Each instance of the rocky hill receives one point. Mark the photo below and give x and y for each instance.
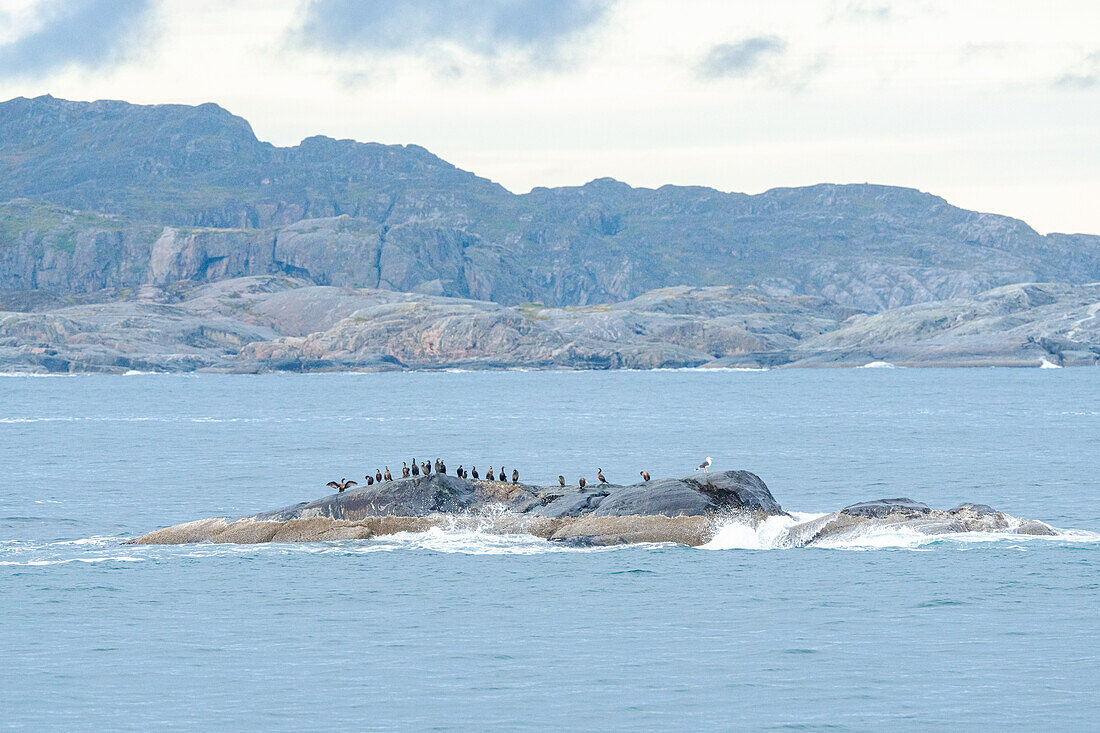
(114, 195)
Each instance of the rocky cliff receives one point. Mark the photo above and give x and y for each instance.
(114, 195)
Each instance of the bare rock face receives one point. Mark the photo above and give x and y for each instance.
(858, 519)
(721, 492)
(682, 510)
(687, 510)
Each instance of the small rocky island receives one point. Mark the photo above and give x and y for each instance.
(687, 510)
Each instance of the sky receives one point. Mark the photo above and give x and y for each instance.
(994, 105)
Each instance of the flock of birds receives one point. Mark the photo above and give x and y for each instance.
(437, 466)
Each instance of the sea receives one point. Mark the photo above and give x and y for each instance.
(464, 630)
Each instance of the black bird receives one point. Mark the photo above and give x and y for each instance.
(387, 475)
(599, 475)
(645, 475)
(416, 468)
(341, 485)
(426, 468)
(489, 476)
(502, 477)
(442, 466)
(561, 480)
(378, 475)
(473, 472)
(370, 480)
(581, 482)
(460, 472)
(515, 476)
(404, 470)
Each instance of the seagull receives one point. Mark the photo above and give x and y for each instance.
(704, 465)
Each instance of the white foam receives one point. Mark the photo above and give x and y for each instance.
(774, 533)
(738, 534)
(1044, 364)
(877, 365)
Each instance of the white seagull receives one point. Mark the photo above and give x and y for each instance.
(704, 465)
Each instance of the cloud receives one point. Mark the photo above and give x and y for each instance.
(535, 29)
(741, 59)
(1085, 75)
(91, 34)
(880, 12)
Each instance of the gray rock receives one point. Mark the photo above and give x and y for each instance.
(882, 508)
(725, 491)
(418, 496)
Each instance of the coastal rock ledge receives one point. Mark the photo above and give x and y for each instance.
(687, 510)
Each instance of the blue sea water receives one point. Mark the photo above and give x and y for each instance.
(450, 630)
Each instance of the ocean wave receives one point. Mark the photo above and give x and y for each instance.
(773, 534)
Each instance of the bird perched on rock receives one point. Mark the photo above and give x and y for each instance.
(387, 475)
(704, 465)
(473, 472)
(645, 475)
(426, 468)
(377, 475)
(581, 482)
(515, 476)
(489, 474)
(404, 470)
(502, 477)
(439, 466)
(370, 480)
(599, 475)
(561, 480)
(460, 471)
(416, 468)
(341, 485)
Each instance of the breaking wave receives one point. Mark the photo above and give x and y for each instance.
(774, 533)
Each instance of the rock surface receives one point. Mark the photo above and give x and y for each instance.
(269, 323)
(114, 195)
(688, 510)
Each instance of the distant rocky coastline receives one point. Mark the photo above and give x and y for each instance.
(268, 323)
(688, 511)
(169, 238)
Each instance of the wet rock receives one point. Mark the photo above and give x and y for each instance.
(883, 507)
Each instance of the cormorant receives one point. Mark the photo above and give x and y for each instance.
(490, 476)
(704, 465)
(416, 468)
(341, 485)
(387, 475)
(473, 472)
(561, 480)
(378, 475)
(426, 468)
(599, 475)
(460, 472)
(515, 476)
(404, 470)
(645, 475)
(581, 482)
(502, 477)
(370, 480)
(442, 467)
